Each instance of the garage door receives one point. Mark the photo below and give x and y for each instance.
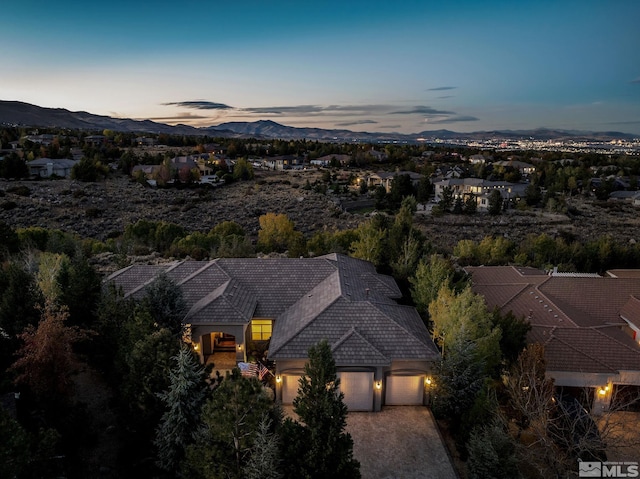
(404, 390)
(358, 390)
(290, 385)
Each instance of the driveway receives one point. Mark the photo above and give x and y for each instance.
(400, 442)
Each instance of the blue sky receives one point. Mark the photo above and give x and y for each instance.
(405, 66)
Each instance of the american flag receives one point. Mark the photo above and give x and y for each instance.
(249, 370)
(262, 371)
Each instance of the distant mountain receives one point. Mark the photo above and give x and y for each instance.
(19, 113)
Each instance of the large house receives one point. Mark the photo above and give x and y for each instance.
(481, 189)
(589, 325)
(382, 349)
(46, 167)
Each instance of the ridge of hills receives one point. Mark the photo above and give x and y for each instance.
(25, 114)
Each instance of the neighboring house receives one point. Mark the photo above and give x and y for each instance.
(193, 162)
(385, 179)
(146, 141)
(462, 187)
(589, 325)
(46, 167)
(521, 166)
(327, 159)
(382, 349)
(632, 197)
(285, 162)
(95, 140)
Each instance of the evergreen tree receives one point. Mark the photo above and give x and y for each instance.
(164, 301)
(327, 451)
(230, 422)
(264, 462)
(183, 401)
(492, 453)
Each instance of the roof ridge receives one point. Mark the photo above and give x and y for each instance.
(353, 332)
(596, 360)
(207, 299)
(150, 280)
(554, 304)
(393, 320)
(204, 268)
(289, 337)
(598, 330)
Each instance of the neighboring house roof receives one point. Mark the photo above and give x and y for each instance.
(579, 319)
(333, 297)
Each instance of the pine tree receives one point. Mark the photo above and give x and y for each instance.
(265, 455)
(328, 453)
(183, 401)
(492, 454)
(230, 420)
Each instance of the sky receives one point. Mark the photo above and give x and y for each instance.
(404, 66)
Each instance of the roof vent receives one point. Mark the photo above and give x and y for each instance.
(367, 292)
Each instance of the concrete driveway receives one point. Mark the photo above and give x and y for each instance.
(400, 442)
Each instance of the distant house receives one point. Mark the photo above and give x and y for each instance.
(95, 140)
(385, 179)
(589, 325)
(481, 189)
(146, 141)
(327, 159)
(284, 162)
(382, 349)
(47, 167)
(521, 166)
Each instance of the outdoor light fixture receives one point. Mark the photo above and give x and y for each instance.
(602, 391)
(239, 347)
(278, 378)
(427, 381)
(196, 347)
(378, 384)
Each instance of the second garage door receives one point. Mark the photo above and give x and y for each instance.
(357, 389)
(404, 390)
(290, 386)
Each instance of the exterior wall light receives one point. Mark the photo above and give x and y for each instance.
(278, 378)
(239, 347)
(196, 347)
(427, 381)
(378, 384)
(602, 391)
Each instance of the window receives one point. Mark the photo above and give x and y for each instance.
(261, 329)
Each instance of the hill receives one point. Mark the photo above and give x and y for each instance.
(25, 114)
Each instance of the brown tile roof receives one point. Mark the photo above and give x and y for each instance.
(588, 350)
(333, 297)
(631, 311)
(578, 319)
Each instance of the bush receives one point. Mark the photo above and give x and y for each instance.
(19, 190)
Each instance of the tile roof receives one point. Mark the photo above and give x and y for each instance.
(579, 319)
(333, 297)
(631, 311)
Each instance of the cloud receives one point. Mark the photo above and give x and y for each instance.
(441, 88)
(629, 122)
(422, 110)
(184, 116)
(444, 96)
(281, 110)
(296, 110)
(453, 119)
(357, 122)
(390, 127)
(200, 105)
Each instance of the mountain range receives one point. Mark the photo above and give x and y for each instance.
(25, 114)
